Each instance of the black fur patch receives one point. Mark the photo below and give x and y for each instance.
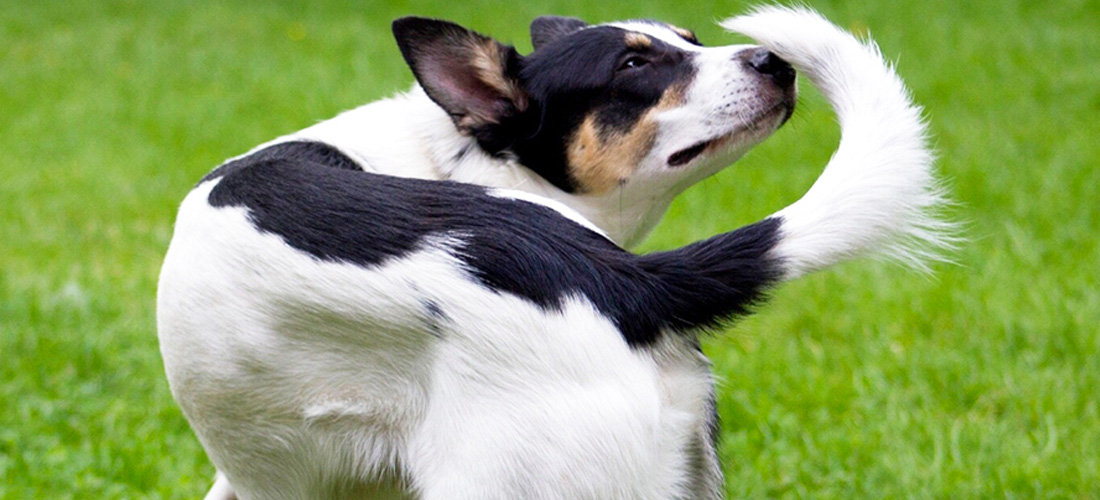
(297, 151)
(434, 316)
(546, 29)
(307, 194)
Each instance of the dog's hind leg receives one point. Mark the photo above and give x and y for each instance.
(221, 490)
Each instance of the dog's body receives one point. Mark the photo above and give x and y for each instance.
(330, 331)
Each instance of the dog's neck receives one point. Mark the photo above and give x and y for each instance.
(408, 135)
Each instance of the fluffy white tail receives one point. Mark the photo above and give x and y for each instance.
(878, 193)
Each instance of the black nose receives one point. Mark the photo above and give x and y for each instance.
(770, 65)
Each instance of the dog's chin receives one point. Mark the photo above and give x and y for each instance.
(736, 141)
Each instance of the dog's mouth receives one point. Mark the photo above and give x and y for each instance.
(687, 155)
(766, 122)
(684, 156)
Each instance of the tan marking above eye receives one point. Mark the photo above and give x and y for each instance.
(685, 34)
(637, 40)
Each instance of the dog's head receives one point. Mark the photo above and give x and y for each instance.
(600, 107)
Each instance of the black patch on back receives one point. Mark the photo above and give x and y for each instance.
(319, 206)
(303, 151)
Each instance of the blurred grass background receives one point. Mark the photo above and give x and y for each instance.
(867, 381)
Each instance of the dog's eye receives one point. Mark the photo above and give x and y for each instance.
(634, 62)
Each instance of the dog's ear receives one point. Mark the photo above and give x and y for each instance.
(546, 29)
(469, 75)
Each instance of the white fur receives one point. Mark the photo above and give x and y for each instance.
(370, 388)
(878, 192)
(561, 208)
(311, 379)
(221, 490)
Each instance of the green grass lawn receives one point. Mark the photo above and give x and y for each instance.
(867, 381)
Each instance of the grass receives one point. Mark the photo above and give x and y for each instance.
(867, 381)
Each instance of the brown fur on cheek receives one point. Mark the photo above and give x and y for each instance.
(674, 97)
(599, 160)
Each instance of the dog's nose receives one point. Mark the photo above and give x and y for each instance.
(768, 64)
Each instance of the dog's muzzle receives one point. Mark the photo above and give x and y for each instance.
(770, 65)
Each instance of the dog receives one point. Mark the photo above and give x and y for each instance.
(428, 296)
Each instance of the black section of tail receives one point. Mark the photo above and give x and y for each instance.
(718, 278)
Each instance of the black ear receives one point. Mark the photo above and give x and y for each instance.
(546, 29)
(471, 76)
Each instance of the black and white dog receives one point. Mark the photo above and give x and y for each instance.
(427, 297)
